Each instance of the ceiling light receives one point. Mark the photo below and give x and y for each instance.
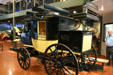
(74, 12)
(102, 8)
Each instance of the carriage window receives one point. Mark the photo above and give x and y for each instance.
(66, 24)
(42, 28)
(34, 26)
(34, 29)
(27, 27)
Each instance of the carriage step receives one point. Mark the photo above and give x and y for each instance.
(96, 67)
(98, 59)
(102, 60)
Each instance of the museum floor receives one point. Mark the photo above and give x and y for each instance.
(10, 66)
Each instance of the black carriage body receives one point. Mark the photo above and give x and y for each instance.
(79, 41)
(63, 29)
(55, 24)
(52, 25)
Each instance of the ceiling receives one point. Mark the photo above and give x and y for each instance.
(4, 1)
(105, 8)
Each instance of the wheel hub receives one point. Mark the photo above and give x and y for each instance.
(23, 58)
(59, 65)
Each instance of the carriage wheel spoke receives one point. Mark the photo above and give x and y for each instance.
(53, 71)
(66, 70)
(20, 58)
(51, 50)
(63, 71)
(24, 65)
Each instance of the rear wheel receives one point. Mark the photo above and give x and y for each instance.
(23, 57)
(60, 60)
(90, 58)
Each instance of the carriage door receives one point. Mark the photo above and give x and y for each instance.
(34, 29)
(42, 30)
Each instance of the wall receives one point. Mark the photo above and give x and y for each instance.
(105, 8)
(107, 18)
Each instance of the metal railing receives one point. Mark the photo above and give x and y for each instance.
(27, 4)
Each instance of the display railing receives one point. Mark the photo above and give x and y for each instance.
(27, 4)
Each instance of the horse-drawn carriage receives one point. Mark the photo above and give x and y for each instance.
(64, 49)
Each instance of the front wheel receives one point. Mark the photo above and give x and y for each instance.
(60, 60)
(23, 58)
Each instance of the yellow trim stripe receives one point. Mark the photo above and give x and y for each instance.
(28, 45)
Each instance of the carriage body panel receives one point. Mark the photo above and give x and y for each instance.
(40, 45)
(78, 41)
(40, 34)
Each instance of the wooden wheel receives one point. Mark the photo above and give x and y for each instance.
(60, 60)
(90, 58)
(23, 57)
